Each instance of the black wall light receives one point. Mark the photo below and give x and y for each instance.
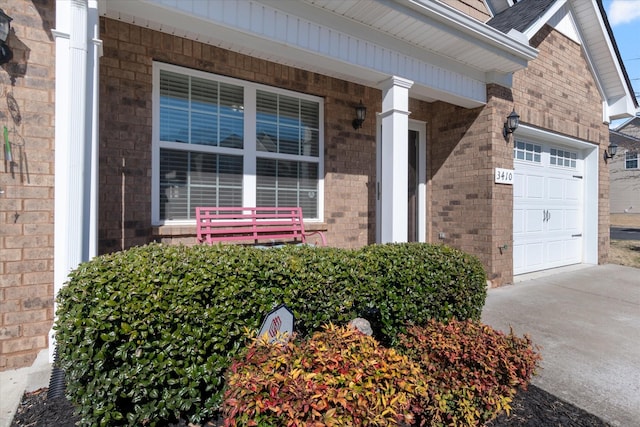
(513, 120)
(5, 26)
(611, 151)
(361, 113)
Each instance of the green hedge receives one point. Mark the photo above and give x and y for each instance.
(145, 335)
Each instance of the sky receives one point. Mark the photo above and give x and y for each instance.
(624, 17)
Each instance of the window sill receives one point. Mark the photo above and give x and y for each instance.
(187, 232)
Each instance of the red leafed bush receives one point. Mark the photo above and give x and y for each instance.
(472, 370)
(339, 377)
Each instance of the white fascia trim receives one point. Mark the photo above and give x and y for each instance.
(543, 19)
(546, 136)
(615, 108)
(478, 30)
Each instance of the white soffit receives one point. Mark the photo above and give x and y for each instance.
(448, 60)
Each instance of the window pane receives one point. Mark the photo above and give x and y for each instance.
(174, 90)
(204, 95)
(173, 184)
(204, 129)
(310, 142)
(288, 107)
(200, 111)
(267, 103)
(174, 125)
(289, 140)
(267, 137)
(231, 132)
(309, 114)
(190, 179)
(288, 183)
(287, 125)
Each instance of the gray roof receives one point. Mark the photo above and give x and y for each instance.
(625, 141)
(520, 16)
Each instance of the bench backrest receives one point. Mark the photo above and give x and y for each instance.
(249, 225)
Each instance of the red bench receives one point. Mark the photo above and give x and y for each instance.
(252, 225)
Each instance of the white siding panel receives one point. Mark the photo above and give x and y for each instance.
(277, 28)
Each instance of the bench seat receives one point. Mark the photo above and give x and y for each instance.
(248, 225)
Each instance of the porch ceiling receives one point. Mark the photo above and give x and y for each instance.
(449, 56)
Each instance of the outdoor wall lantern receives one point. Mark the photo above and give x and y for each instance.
(611, 151)
(5, 26)
(513, 120)
(361, 113)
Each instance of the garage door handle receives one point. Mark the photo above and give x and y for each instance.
(576, 235)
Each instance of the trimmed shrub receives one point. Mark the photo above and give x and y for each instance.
(339, 377)
(414, 282)
(145, 335)
(472, 370)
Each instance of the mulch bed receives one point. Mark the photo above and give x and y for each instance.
(532, 408)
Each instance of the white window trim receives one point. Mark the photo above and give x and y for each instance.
(637, 153)
(249, 151)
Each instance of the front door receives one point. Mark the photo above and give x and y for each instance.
(416, 176)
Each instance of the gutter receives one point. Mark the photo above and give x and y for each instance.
(514, 43)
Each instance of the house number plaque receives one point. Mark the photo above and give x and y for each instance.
(503, 176)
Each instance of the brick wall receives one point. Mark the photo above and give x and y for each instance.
(125, 135)
(461, 194)
(26, 185)
(558, 92)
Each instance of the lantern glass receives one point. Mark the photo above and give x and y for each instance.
(513, 120)
(612, 149)
(361, 112)
(5, 24)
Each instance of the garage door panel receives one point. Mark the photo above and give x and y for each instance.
(533, 221)
(554, 250)
(573, 250)
(534, 187)
(574, 190)
(526, 256)
(518, 221)
(555, 188)
(573, 220)
(518, 186)
(548, 213)
(555, 220)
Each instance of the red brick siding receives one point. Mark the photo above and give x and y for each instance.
(26, 204)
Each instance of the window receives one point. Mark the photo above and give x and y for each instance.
(631, 160)
(562, 158)
(219, 141)
(527, 151)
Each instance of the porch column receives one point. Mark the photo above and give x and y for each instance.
(395, 157)
(78, 50)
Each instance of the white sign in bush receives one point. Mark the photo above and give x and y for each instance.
(277, 324)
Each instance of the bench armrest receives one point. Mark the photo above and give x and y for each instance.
(320, 233)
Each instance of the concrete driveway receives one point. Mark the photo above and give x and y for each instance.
(587, 321)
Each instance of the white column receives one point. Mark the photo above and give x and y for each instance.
(395, 157)
(76, 138)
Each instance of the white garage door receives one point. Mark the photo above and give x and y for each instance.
(548, 207)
